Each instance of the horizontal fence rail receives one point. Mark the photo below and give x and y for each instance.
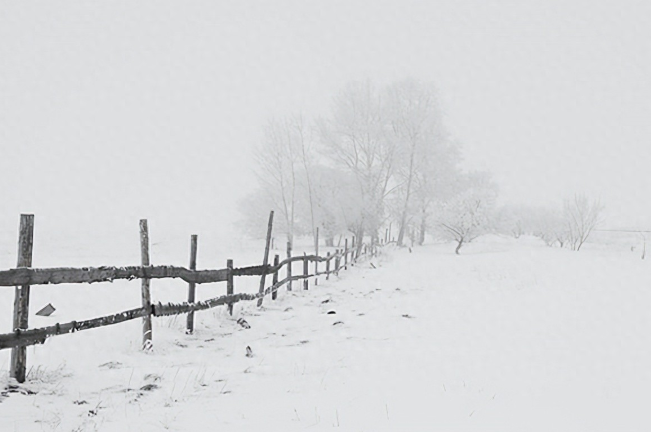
(67, 275)
(39, 336)
(70, 275)
(24, 276)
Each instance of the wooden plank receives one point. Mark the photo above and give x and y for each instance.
(230, 284)
(274, 281)
(328, 267)
(346, 254)
(337, 261)
(257, 270)
(266, 255)
(192, 285)
(69, 275)
(18, 362)
(36, 336)
(277, 286)
(289, 266)
(316, 252)
(145, 287)
(305, 272)
(175, 309)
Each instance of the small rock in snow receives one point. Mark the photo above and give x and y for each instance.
(243, 323)
(331, 312)
(111, 365)
(149, 387)
(249, 351)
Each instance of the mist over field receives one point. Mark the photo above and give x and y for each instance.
(485, 163)
(114, 112)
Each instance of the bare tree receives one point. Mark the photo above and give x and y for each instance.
(581, 218)
(278, 160)
(306, 153)
(355, 139)
(469, 214)
(413, 114)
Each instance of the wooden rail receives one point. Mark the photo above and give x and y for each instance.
(24, 276)
(67, 275)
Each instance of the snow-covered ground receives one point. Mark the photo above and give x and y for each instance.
(509, 336)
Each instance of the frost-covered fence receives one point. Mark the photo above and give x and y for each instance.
(24, 276)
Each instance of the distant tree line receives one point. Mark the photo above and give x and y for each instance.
(381, 159)
(568, 226)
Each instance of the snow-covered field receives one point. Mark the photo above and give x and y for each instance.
(509, 336)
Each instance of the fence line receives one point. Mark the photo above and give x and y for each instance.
(25, 276)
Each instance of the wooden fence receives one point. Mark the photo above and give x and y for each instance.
(24, 276)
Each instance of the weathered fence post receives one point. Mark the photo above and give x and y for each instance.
(305, 271)
(192, 285)
(274, 281)
(265, 261)
(328, 266)
(145, 290)
(289, 266)
(337, 261)
(346, 254)
(230, 288)
(18, 365)
(352, 252)
(316, 262)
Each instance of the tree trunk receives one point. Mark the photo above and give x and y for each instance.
(359, 236)
(401, 232)
(403, 218)
(460, 243)
(423, 227)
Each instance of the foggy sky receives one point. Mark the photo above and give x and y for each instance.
(115, 111)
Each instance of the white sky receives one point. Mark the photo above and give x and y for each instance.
(113, 111)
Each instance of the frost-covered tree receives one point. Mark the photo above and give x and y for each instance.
(279, 171)
(469, 213)
(581, 217)
(435, 181)
(333, 199)
(547, 224)
(412, 111)
(386, 158)
(513, 220)
(355, 139)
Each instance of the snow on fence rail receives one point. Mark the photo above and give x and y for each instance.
(24, 276)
